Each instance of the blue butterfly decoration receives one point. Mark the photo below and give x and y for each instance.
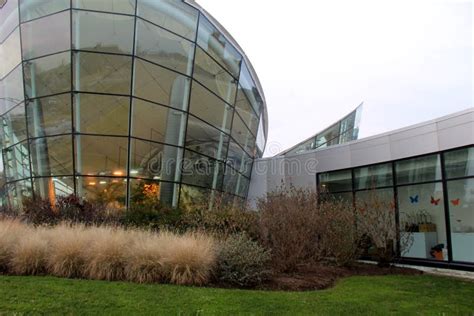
(414, 199)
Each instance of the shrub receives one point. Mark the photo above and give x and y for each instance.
(10, 233)
(223, 219)
(153, 217)
(242, 261)
(299, 228)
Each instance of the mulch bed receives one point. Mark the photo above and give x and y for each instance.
(323, 276)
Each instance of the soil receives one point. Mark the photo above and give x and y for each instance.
(320, 276)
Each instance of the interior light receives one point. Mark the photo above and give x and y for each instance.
(91, 183)
(103, 182)
(133, 171)
(118, 173)
(156, 178)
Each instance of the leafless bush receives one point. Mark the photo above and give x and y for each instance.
(299, 228)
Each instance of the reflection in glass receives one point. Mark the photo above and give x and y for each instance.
(115, 6)
(101, 114)
(49, 116)
(205, 139)
(210, 74)
(459, 163)
(427, 168)
(162, 47)
(202, 171)
(32, 9)
(10, 53)
(461, 214)
(9, 18)
(336, 181)
(216, 45)
(191, 196)
(239, 159)
(13, 126)
(158, 123)
(51, 156)
(160, 85)
(102, 73)
(110, 192)
(18, 192)
(51, 188)
(46, 36)
(210, 108)
(48, 75)
(173, 15)
(243, 136)
(16, 162)
(245, 111)
(250, 89)
(11, 90)
(103, 32)
(101, 155)
(373, 176)
(421, 209)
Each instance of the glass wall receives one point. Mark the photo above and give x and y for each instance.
(433, 195)
(124, 101)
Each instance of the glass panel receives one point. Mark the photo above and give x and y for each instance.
(17, 162)
(102, 73)
(158, 123)
(191, 197)
(328, 137)
(250, 89)
(461, 214)
(421, 210)
(101, 114)
(239, 159)
(110, 192)
(10, 53)
(235, 183)
(102, 156)
(164, 48)
(46, 36)
(380, 203)
(146, 193)
(216, 45)
(13, 126)
(210, 108)
(160, 85)
(52, 188)
(51, 156)
(202, 171)
(211, 75)
(205, 139)
(103, 32)
(373, 176)
(9, 18)
(421, 169)
(459, 163)
(345, 197)
(154, 161)
(11, 90)
(245, 111)
(48, 75)
(170, 14)
(243, 136)
(32, 9)
(49, 116)
(116, 6)
(336, 181)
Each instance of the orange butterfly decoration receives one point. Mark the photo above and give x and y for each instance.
(456, 202)
(435, 201)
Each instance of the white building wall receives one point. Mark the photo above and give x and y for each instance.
(455, 130)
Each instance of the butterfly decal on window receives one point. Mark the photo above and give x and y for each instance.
(435, 201)
(456, 202)
(414, 199)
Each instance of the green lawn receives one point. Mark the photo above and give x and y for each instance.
(355, 295)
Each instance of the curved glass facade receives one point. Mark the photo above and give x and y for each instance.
(120, 99)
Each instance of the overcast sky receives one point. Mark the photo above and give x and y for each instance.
(409, 61)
